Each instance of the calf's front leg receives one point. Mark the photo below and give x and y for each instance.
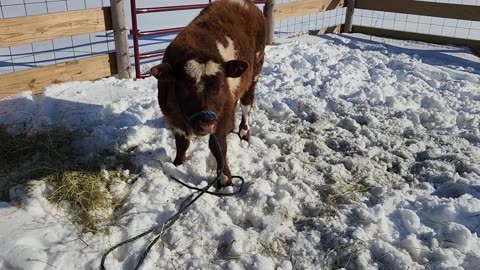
(182, 144)
(221, 157)
(247, 99)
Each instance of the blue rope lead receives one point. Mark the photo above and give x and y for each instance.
(201, 113)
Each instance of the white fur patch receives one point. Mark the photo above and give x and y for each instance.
(233, 83)
(223, 179)
(181, 132)
(243, 132)
(212, 68)
(246, 109)
(229, 53)
(256, 78)
(197, 70)
(257, 54)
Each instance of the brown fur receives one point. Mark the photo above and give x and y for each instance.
(178, 96)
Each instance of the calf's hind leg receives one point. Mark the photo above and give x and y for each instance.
(246, 102)
(247, 99)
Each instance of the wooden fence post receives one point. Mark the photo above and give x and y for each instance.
(121, 38)
(269, 13)
(349, 16)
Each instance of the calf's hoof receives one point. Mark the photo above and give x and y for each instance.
(244, 134)
(224, 181)
(178, 161)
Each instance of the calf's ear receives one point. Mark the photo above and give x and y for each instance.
(158, 70)
(166, 82)
(235, 68)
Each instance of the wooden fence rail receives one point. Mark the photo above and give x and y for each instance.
(301, 8)
(35, 79)
(30, 29)
(36, 28)
(306, 7)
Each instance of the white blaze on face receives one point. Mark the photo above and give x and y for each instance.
(229, 53)
(198, 70)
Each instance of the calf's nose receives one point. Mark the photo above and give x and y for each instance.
(205, 125)
(209, 129)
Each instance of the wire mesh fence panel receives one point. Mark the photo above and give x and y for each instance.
(421, 24)
(43, 53)
(310, 22)
(25, 56)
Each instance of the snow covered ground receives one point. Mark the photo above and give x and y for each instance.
(365, 154)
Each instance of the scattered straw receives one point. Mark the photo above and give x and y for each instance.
(340, 193)
(81, 186)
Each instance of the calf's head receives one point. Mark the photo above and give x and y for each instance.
(199, 88)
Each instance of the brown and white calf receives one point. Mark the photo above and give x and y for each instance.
(214, 62)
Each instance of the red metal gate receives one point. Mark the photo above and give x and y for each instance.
(137, 34)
